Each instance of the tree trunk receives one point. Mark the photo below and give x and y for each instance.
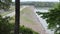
(17, 16)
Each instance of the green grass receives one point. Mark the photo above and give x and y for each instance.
(27, 18)
(26, 10)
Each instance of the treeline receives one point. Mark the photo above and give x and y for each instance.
(39, 4)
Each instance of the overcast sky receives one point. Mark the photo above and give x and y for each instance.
(39, 0)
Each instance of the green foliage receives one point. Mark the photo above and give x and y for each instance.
(5, 26)
(25, 30)
(8, 28)
(5, 4)
(53, 18)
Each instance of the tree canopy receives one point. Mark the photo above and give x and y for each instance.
(5, 4)
(53, 18)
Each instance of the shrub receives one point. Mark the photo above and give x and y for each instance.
(25, 30)
(8, 28)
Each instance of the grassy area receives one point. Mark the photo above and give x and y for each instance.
(25, 19)
(26, 15)
(28, 19)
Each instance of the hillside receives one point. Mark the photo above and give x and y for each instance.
(29, 19)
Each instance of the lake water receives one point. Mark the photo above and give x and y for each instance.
(43, 21)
